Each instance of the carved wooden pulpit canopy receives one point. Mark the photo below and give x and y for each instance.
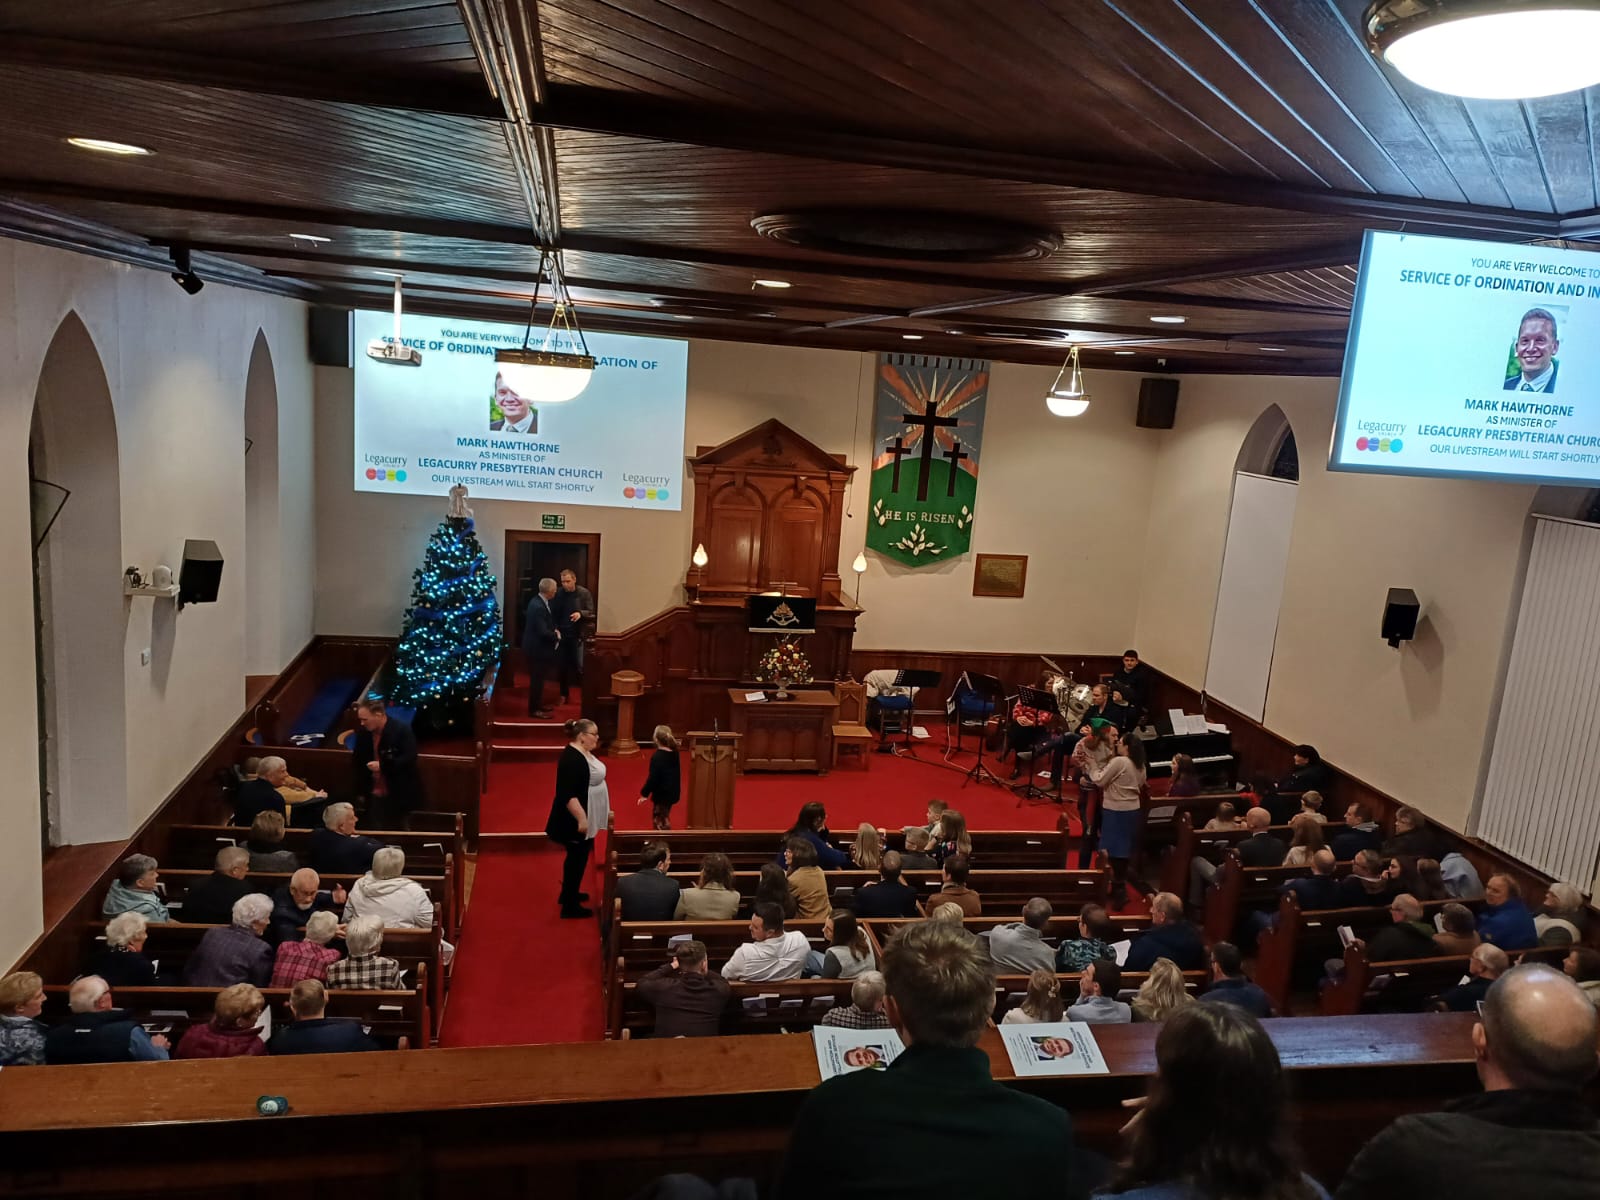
(768, 506)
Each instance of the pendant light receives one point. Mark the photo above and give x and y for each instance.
(561, 366)
(1488, 49)
(1067, 396)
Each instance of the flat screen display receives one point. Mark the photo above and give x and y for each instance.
(421, 430)
(1470, 358)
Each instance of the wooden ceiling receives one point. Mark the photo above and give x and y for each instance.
(1217, 162)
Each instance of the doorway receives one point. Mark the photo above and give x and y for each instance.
(534, 554)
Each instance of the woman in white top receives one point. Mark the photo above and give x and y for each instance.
(579, 810)
(1042, 1005)
(1120, 782)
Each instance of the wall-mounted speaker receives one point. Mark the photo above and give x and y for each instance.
(1400, 616)
(200, 577)
(1158, 403)
(332, 334)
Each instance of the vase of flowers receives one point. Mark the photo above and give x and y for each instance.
(785, 664)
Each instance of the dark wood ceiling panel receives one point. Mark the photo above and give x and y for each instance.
(1065, 312)
(1334, 287)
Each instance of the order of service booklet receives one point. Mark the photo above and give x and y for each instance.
(1058, 1048)
(841, 1051)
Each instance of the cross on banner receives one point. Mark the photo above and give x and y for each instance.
(930, 422)
(955, 455)
(899, 450)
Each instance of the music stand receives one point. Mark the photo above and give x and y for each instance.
(1045, 702)
(912, 679)
(985, 687)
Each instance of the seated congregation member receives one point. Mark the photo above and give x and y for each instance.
(715, 895)
(211, 901)
(1029, 729)
(123, 962)
(386, 893)
(649, 894)
(1504, 918)
(663, 783)
(955, 890)
(1582, 966)
(771, 953)
(1185, 777)
(1020, 948)
(1230, 985)
(1308, 773)
(308, 957)
(1486, 965)
(849, 950)
(383, 761)
(21, 1032)
(1215, 1120)
(237, 952)
(1260, 849)
(1409, 936)
(953, 1130)
(1041, 1004)
(1162, 994)
(1430, 883)
(99, 1032)
(265, 844)
(1460, 877)
(951, 914)
(1530, 1132)
(772, 887)
(231, 1032)
(1311, 806)
(916, 856)
(311, 1031)
(1361, 833)
(1304, 842)
(1227, 818)
(336, 848)
(688, 1000)
(953, 837)
(1320, 889)
(365, 969)
(866, 852)
(1367, 883)
(1097, 995)
(295, 901)
(1121, 782)
(812, 825)
(1412, 836)
(134, 890)
(255, 795)
(1170, 935)
(865, 1010)
(1402, 874)
(301, 799)
(1561, 912)
(1460, 932)
(807, 884)
(1263, 793)
(887, 897)
(1095, 935)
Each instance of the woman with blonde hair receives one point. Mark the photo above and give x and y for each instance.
(955, 839)
(1162, 993)
(21, 1031)
(867, 852)
(948, 912)
(1042, 1005)
(1307, 840)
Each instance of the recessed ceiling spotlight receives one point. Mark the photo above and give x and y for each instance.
(773, 283)
(1121, 352)
(1169, 320)
(1501, 50)
(681, 316)
(1273, 349)
(101, 146)
(912, 337)
(310, 237)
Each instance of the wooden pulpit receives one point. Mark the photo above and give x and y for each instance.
(627, 687)
(713, 768)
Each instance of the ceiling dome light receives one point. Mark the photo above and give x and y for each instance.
(1121, 353)
(1067, 396)
(101, 146)
(912, 337)
(1487, 50)
(773, 283)
(1169, 320)
(315, 238)
(560, 367)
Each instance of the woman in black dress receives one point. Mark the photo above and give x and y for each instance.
(569, 813)
(662, 785)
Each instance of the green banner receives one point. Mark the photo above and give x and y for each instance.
(927, 428)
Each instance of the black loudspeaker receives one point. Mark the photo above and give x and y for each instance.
(1158, 403)
(332, 332)
(201, 573)
(1400, 616)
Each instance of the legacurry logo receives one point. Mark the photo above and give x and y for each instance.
(1380, 445)
(642, 493)
(386, 476)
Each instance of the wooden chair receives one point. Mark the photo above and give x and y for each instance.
(850, 733)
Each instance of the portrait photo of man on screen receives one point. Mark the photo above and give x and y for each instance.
(1535, 354)
(509, 412)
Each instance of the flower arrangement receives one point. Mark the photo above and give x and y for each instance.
(784, 663)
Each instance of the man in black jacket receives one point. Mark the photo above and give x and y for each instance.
(648, 894)
(1529, 1133)
(295, 901)
(336, 848)
(1170, 936)
(688, 997)
(1308, 774)
(541, 644)
(888, 897)
(573, 608)
(1261, 849)
(211, 901)
(1136, 682)
(312, 1033)
(1412, 836)
(1409, 937)
(384, 760)
(255, 795)
(1361, 833)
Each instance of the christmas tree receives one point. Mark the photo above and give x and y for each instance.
(451, 636)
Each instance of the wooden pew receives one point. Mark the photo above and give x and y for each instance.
(1192, 842)
(783, 1006)
(401, 1017)
(337, 663)
(1238, 887)
(1411, 981)
(1062, 925)
(1161, 818)
(992, 849)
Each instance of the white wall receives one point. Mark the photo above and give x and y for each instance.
(176, 366)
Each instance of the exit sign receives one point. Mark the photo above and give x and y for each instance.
(552, 521)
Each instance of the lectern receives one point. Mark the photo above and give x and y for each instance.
(713, 767)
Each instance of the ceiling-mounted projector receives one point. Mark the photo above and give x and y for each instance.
(392, 351)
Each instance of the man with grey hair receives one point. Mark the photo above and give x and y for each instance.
(236, 953)
(295, 902)
(916, 856)
(211, 901)
(1487, 964)
(955, 1131)
(865, 1010)
(1021, 949)
(99, 1032)
(1530, 1132)
(366, 969)
(541, 644)
(1170, 935)
(298, 795)
(134, 890)
(336, 848)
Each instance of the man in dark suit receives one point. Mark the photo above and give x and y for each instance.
(541, 643)
(1261, 849)
(1170, 936)
(649, 894)
(384, 760)
(888, 897)
(1536, 353)
(211, 901)
(688, 997)
(312, 1033)
(336, 848)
